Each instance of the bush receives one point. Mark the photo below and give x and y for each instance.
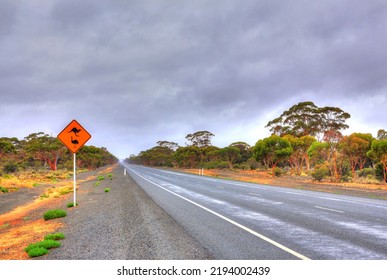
(379, 172)
(3, 190)
(46, 244)
(10, 168)
(366, 172)
(320, 172)
(278, 171)
(100, 178)
(54, 236)
(37, 252)
(110, 176)
(71, 204)
(107, 190)
(53, 214)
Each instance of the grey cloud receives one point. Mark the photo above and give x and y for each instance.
(159, 69)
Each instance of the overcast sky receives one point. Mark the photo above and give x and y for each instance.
(136, 72)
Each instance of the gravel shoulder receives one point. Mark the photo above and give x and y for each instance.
(124, 223)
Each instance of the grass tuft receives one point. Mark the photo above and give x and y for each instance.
(46, 244)
(55, 236)
(37, 252)
(107, 190)
(100, 178)
(54, 214)
(71, 204)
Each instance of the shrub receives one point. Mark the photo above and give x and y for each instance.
(10, 168)
(110, 176)
(46, 244)
(37, 252)
(320, 172)
(278, 171)
(379, 172)
(366, 172)
(100, 178)
(54, 236)
(71, 204)
(107, 190)
(3, 190)
(53, 214)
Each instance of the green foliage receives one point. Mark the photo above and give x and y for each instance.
(379, 174)
(366, 172)
(71, 204)
(378, 153)
(110, 176)
(272, 150)
(54, 214)
(55, 236)
(37, 252)
(320, 172)
(101, 178)
(107, 190)
(200, 138)
(10, 167)
(305, 118)
(3, 190)
(46, 244)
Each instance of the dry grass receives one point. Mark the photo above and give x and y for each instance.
(22, 233)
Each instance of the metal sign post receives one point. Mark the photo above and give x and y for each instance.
(74, 136)
(75, 179)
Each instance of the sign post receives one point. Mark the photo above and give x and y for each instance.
(74, 136)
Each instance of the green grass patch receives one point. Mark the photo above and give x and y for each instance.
(55, 236)
(71, 204)
(110, 176)
(54, 214)
(100, 178)
(37, 252)
(107, 190)
(97, 184)
(3, 190)
(46, 244)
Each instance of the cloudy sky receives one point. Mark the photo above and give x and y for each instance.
(135, 72)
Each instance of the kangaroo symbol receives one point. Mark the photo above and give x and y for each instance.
(75, 130)
(75, 142)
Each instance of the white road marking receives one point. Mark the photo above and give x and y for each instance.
(278, 245)
(329, 209)
(255, 194)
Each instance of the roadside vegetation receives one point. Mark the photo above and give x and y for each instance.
(41, 248)
(306, 140)
(42, 158)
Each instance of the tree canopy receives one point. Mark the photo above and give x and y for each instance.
(305, 118)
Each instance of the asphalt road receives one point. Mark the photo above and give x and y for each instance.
(237, 220)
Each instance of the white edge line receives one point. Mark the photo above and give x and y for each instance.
(284, 248)
(329, 209)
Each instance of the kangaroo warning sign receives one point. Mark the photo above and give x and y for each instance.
(74, 136)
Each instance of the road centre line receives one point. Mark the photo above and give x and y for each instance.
(278, 245)
(329, 209)
(255, 194)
